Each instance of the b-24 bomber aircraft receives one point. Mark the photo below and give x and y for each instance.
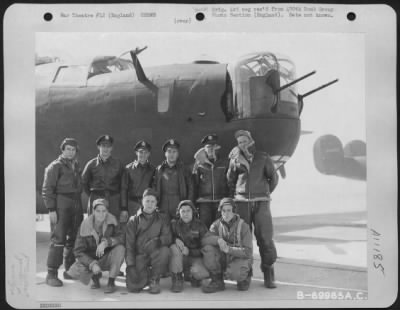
(119, 97)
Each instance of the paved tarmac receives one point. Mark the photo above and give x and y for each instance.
(327, 258)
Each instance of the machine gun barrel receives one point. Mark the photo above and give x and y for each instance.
(319, 88)
(294, 82)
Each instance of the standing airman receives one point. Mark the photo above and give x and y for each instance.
(62, 197)
(172, 182)
(101, 178)
(252, 178)
(137, 176)
(209, 175)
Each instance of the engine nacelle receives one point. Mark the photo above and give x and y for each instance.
(332, 159)
(328, 154)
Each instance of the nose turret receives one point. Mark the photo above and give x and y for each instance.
(257, 91)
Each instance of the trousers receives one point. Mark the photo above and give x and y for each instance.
(217, 262)
(258, 214)
(111, 261)
(168, 205)
(179, 263)
(63, 233)
(208, 212)
(139, 275)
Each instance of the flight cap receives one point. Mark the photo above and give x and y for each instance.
(105, 139)
(227, 201)
(187, 203)
(209, 139)
(142, 145)
(170, 143)
(100, 201)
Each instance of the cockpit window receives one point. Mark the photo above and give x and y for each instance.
(258, 65)
(71, 75)
(108, 64)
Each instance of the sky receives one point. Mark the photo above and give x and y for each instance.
(338, 109)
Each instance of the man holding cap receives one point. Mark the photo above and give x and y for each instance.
(172, 181)
(102, 176)
(61, 193)
(137, 176)
(148, 236)
(99, 246)
(252, 178)
(209, 175)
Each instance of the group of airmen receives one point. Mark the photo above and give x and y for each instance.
(162, 221)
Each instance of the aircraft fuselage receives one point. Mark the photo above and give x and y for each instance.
(188, 102)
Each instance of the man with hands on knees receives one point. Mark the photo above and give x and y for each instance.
(99, 246)
(187, 233)
(228, 250)
(148, 237)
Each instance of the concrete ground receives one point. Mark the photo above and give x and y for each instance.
(314, 259)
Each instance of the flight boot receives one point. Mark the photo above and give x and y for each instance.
(269, 277)
(177, 282)
(135, 290)
(52, 278)
(215, 285)
(187, 275)
(245, 284)
(69, 259)
(96, 281)
(111, 288)
(194, 282)
(66, 276)
(155, 285)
